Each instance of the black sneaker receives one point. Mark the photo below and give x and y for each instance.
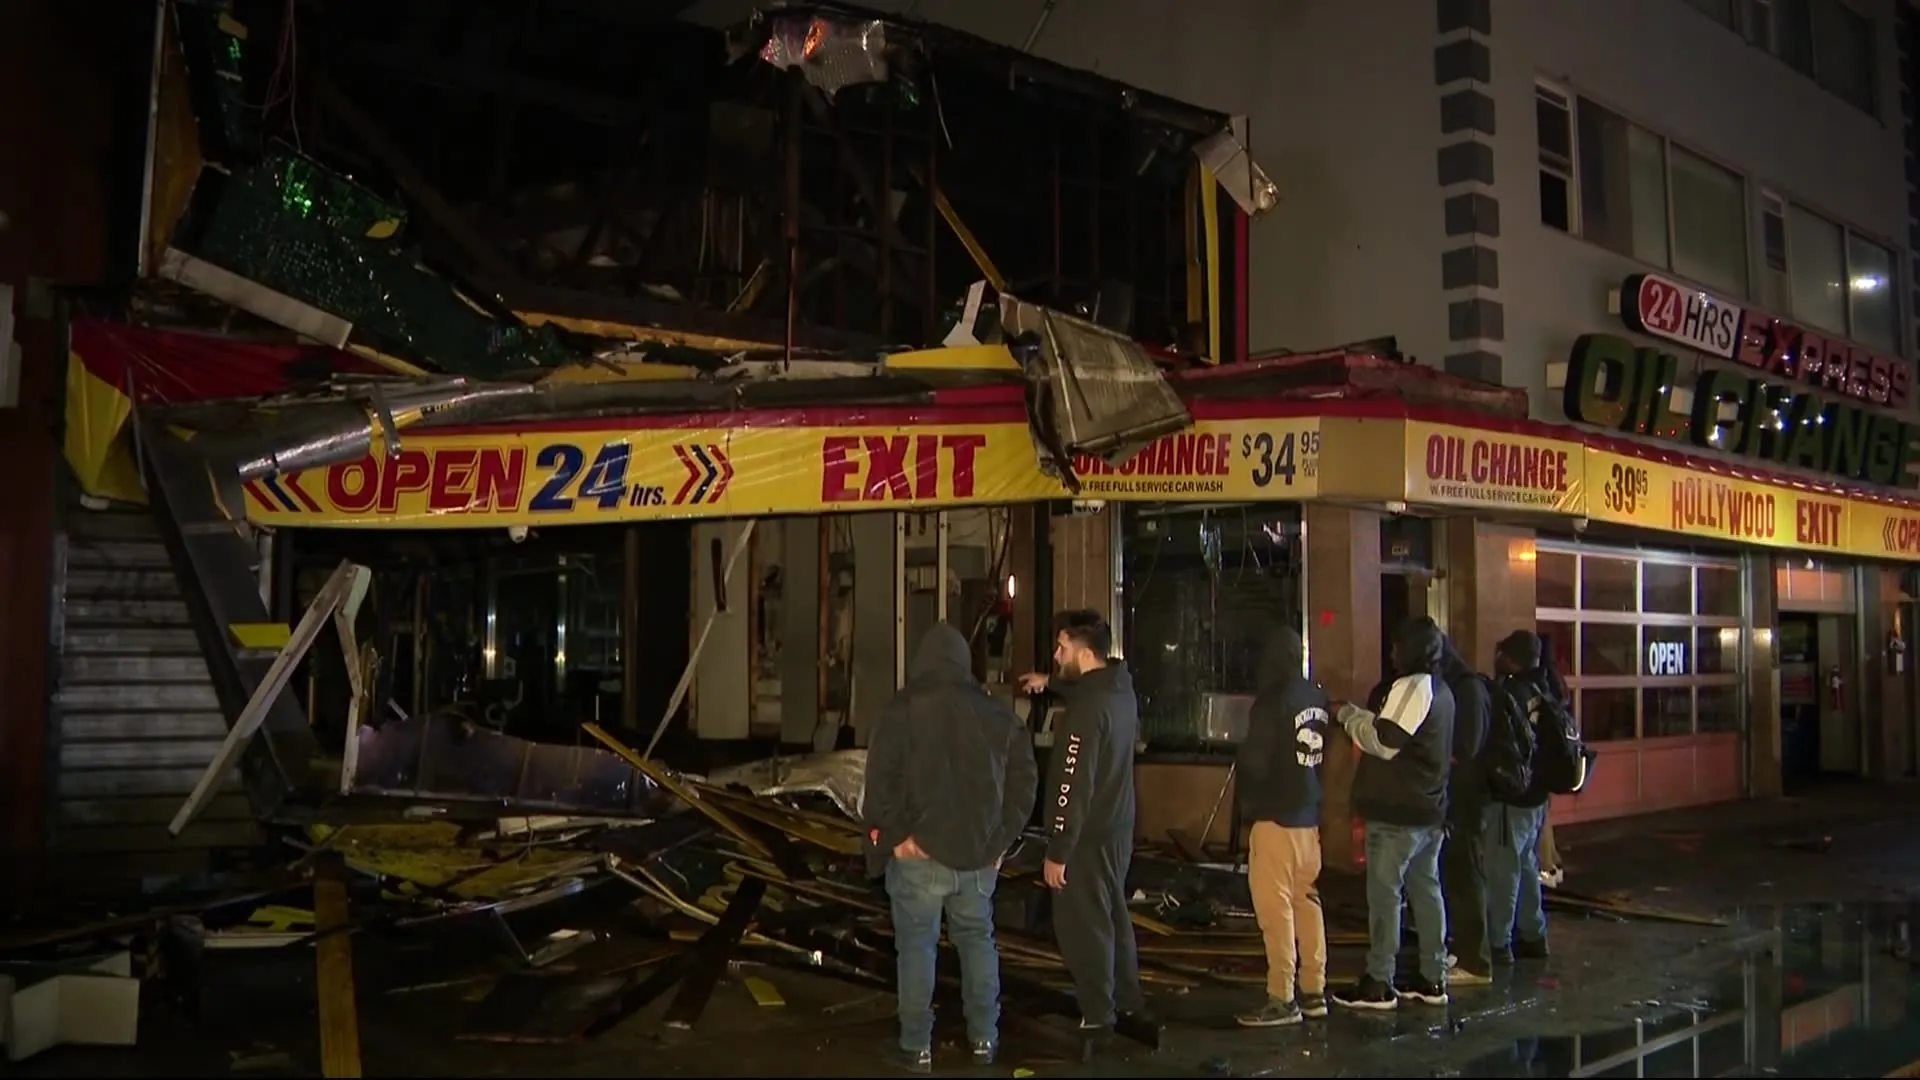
(914, 1061)
(1503, 956)
(984, 1051)
(1313, 1006)
(1275, 1013)
(1368, 993)
(1530, 950)
(1420, 990)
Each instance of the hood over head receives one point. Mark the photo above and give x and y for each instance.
(1452, 664)
(1418, 647)
(1282, 658)
(1521, 648)
(943, 653)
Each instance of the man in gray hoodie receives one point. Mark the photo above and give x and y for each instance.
(951, 779)
(1277, 782)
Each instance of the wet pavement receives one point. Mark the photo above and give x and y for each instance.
(1812, 976)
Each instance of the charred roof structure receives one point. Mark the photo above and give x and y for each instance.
(478, 189)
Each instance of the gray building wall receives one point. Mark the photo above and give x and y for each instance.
(1402, 136)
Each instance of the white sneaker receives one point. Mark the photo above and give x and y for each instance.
(1552, 878)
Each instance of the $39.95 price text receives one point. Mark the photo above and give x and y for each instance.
(1626, 489)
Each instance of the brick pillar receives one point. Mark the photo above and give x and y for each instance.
(1490, 585)
(1343, 638)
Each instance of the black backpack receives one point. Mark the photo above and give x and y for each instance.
(1508, 759)
(1560, 761)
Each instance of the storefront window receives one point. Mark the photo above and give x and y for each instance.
(1716, 650)
(1553, 579)
(1666, 588)
(1666, 710)
(1558, 640)
(1719, 708)
(1202, 588)
(1607, 649)
(1649, 643)
(1606, 715)
(1720, 591)
(1609, 584)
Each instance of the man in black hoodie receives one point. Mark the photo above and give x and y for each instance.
(1405, 738)
(1516, 920)
(1089, 818)
(1462, 865)
(1277, 779)
(951, 779)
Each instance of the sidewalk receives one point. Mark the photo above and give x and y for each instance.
(1841, 842)
(1610, 980)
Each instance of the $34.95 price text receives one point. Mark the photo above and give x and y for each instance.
(1279, 457)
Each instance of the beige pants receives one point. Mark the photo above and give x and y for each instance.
(1549, 855)
(1283, 866)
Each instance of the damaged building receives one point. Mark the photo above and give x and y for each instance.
(508, 452)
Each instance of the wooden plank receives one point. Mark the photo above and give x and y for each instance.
(275, 680)
(667, 780)
(333, 959)
(710, 956)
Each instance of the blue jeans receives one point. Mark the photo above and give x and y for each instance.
(1403, 858)
(1512, 846)
(920, 890)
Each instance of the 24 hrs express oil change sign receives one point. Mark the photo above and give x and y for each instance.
(589, 476)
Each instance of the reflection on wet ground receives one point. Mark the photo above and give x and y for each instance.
(1818, 990)
(1821, 991)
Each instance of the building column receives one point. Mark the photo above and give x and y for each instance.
(1343, 639)
(1082, 564)
(1885, 707)
(1490, 586)
(1764, 778)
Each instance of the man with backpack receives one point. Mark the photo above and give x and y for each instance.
(1538, 730)
(1462, 869)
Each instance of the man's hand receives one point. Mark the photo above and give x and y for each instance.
(908, 849)
(1033, 682)
(1054, 874)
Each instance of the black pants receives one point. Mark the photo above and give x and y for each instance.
(1463, 878)
(1095, 932)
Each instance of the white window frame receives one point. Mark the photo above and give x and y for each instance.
(1567, 170)
(1895, 283)
(1578, 617)
(1667, 146)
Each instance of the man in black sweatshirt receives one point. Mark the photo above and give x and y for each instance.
(1277, 780)
(1088, 810)
(951, 779)
(1463, 870)
(1405, 738)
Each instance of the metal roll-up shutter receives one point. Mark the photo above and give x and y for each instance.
(135, 715)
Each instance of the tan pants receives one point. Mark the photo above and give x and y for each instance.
(1549, 855)
(1283, 866)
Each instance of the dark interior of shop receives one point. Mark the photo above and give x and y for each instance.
(537, 636)
(1203, 587)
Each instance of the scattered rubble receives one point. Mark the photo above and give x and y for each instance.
(557, 929)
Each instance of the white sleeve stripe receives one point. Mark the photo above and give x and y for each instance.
(1408, 703)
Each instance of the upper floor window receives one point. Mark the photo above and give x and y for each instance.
(1829, 41)
(1635, 192)
(1838, 280)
